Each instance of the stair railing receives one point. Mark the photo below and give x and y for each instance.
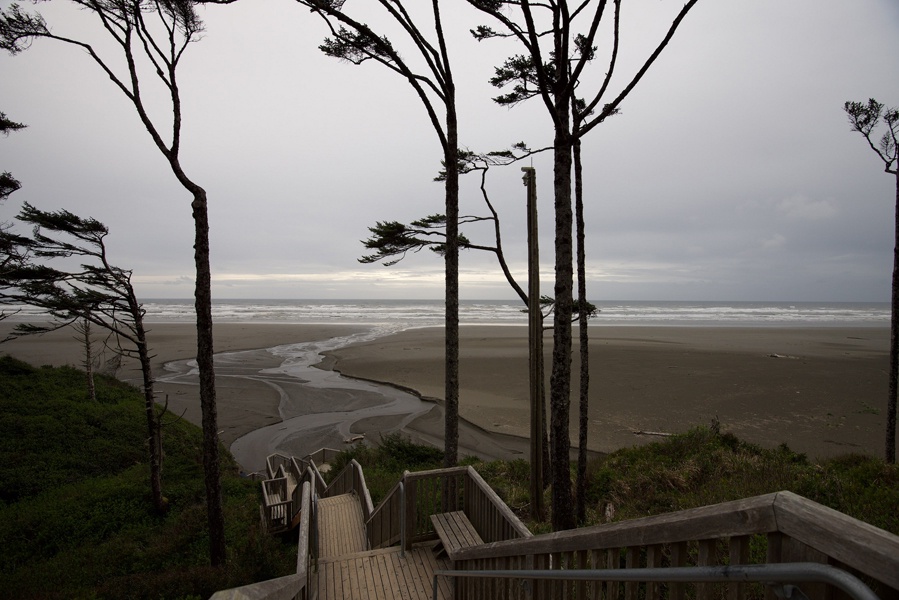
(300, 584)
(775, 528)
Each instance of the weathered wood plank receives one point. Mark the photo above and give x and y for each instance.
(455, 531)
(857, 544)
(340, 526)
(739, 517)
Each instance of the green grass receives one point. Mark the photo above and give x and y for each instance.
(697, 468)
(76, 519)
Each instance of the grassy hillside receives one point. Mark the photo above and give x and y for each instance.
(697, 468)
(76, 519)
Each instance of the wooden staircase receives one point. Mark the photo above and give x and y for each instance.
(341, 529)
(348, 570)
(348, 549)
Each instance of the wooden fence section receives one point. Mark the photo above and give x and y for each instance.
(406, 511)
(774, 528)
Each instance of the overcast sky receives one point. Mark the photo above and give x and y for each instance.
(731, 173)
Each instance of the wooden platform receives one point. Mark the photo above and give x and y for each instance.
(347, 570)
(341, 530)
(384, 573)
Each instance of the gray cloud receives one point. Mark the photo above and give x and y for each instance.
(730, 174)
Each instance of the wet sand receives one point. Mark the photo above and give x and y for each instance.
(820, 390)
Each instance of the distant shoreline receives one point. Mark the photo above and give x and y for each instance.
(820, 390)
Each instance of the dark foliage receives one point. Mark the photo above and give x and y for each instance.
(76, 517)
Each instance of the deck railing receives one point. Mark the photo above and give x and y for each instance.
(289, 587)
(407, 508)
(275, 461)
(281, 493)
(780, 578)
(351, 479)
(774, 528)
(277, 506)
(323, 455)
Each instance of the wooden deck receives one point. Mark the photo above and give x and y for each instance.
(341, 528)
(383, 574)
(348, 570)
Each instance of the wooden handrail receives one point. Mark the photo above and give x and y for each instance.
(852, 542)
(321, 455)
(289, 586)
(501, 508)
(739, 517)
(795, 526)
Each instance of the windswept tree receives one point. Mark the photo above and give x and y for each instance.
(426, 68)
(96, 293)
(153, 34)
(558, 43)
(8, 183)
(867, 119)
(392, 241)
(10, 244)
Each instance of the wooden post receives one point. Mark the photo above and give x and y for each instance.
(535, 352)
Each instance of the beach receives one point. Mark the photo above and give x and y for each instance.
(821, 390)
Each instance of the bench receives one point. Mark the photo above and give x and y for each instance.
(455, 532)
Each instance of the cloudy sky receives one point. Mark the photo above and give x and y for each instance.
(731, 173)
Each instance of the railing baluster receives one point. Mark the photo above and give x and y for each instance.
(773, 555)
(706, 557)
(632, 561)
(613, 560)
(738, 554)
(653, 560)
(679, 553)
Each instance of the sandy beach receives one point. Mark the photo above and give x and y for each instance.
(820, 390)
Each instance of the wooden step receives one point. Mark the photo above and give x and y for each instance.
(341, 529)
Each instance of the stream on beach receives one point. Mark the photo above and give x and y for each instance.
(319, 407)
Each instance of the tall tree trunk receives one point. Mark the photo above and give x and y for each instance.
(535, 349)
(890, 453)
(583, 422)
(84, 328)
(154, 427)
(451, 408)
(560, 381)
(203, 304)
(544, 433)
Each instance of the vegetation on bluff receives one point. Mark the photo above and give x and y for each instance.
(697, 468)
(76, 513)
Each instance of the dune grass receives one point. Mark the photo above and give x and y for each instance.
(697, 468)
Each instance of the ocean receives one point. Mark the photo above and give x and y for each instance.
(401, 314)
